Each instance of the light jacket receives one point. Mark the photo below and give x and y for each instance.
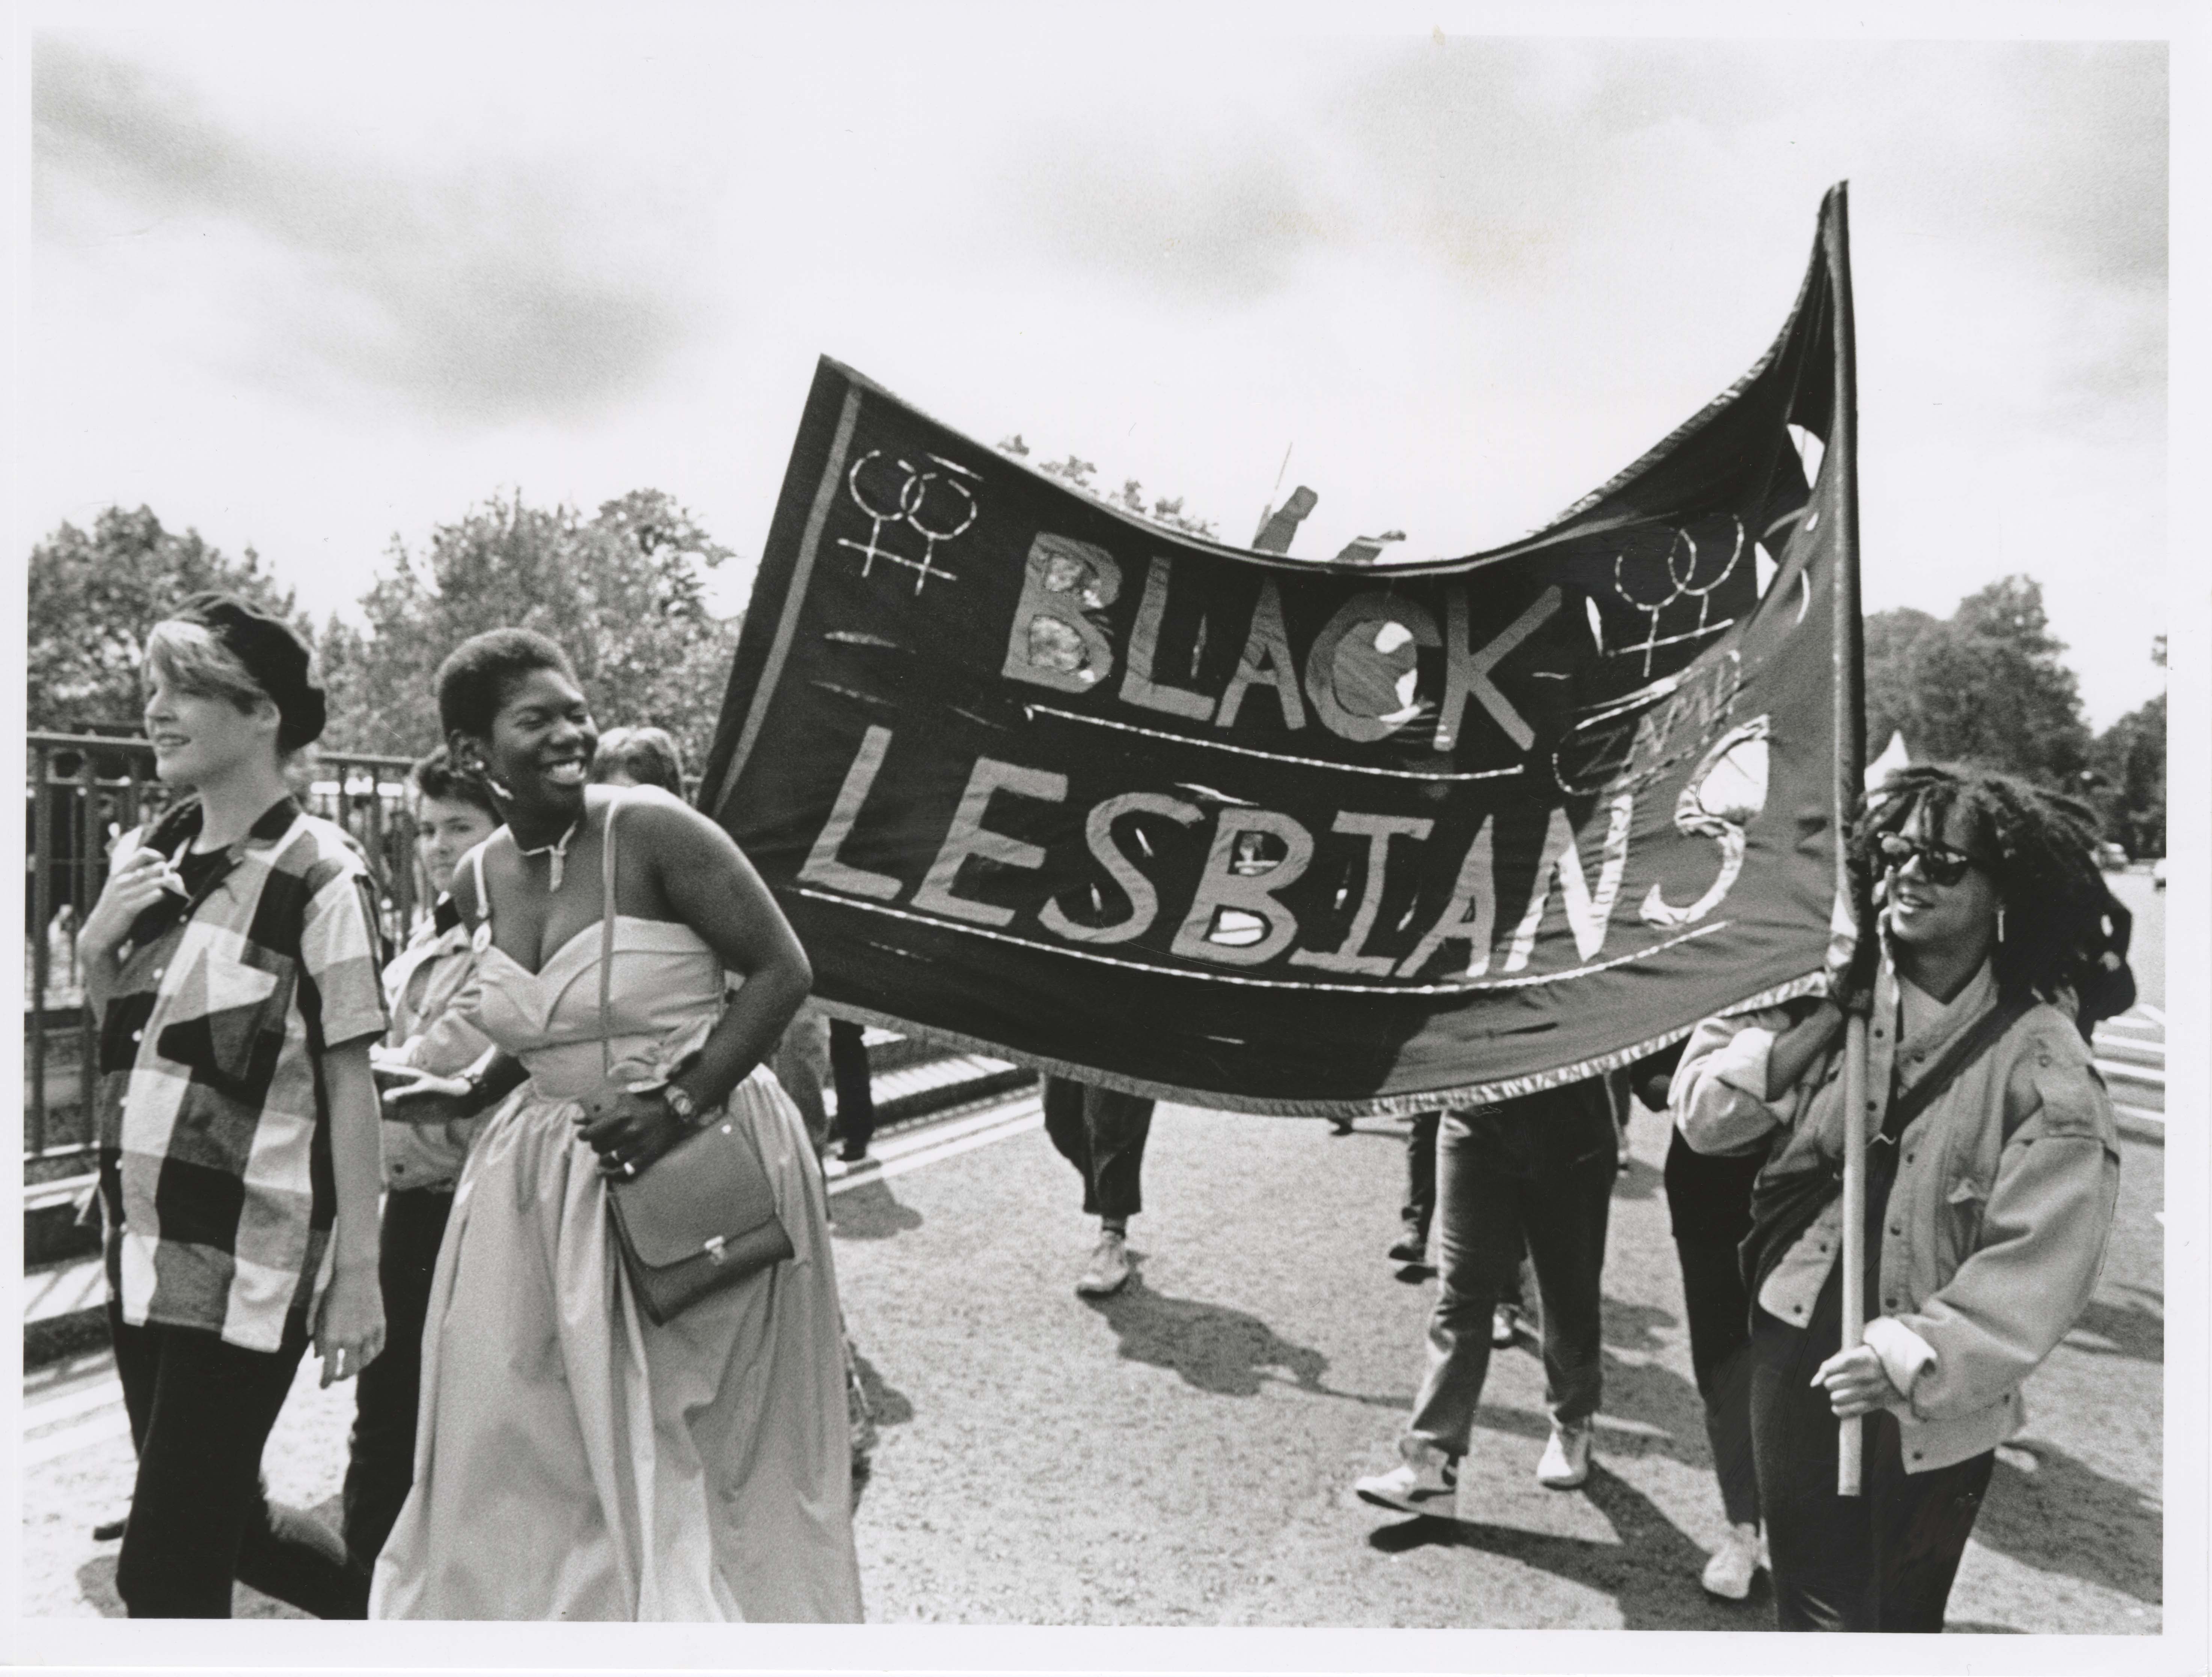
(422, 987)
(1991, 1248)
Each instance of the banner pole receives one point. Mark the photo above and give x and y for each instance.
(1851, 755)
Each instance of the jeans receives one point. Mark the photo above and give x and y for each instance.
(381, 1466)
(1882, 1561)
(1100, 1132)
(201, 1410)
(1527, 1167)
(1420, 1207)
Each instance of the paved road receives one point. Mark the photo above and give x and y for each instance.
(1181, 1455)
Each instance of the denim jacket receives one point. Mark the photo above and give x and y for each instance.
(1992, 1247)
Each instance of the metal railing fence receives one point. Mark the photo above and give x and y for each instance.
(83, 793)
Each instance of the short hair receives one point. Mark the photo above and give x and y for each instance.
(472, 683)
(189, 657)
(650, 757)
(436, 777)
(2039, 848)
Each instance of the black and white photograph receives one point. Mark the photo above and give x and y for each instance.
(1246, 838)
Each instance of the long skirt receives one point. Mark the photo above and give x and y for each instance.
(574, 1461)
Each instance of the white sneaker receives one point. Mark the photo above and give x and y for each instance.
(1566, 1457)
(1728, 1573)
(1425, 1482)
(1109, 1267)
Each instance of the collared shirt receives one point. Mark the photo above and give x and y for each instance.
(430, 1031)
(213, 1122)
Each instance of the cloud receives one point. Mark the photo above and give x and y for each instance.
(463, 294)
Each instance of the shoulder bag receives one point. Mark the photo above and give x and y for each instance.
(701, 1217)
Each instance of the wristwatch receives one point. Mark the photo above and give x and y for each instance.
(680, 1102)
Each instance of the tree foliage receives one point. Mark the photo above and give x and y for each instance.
(1076, 473)
(2129, 788)
(622, 592)
(1984, 685)
(94, 595)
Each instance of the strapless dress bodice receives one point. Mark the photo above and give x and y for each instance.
(666, 993)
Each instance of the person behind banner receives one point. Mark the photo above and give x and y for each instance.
(1102, 1132)
(1992, 1173)
(231, 962)
(1708, 1208)
(423, 987)
(1410, 1251)
(1539, 1167)
(582, 1460)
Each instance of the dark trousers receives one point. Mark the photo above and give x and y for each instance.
(1500, 1180)
(1882, 1561)
(1100, 1132)
(1420, 1207)
(1719, 1310)
(201, 1410)
(856, 1101)
(381, 1468)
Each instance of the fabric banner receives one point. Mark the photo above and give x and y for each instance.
(1034, 774)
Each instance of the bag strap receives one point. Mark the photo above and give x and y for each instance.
(1965, 1049)
(484, 897)
(607, 937)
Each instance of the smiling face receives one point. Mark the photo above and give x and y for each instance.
(446, 829)
(541, 743)
(1924, 915)
(200, 738)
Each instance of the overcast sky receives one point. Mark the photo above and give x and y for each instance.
(307, 288)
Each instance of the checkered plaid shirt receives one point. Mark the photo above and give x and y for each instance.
(213, 1120)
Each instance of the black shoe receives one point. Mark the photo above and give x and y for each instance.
(1411, 1248)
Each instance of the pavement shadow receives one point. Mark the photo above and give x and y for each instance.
(2063, 1517)
(1638, 1181)
(870, 1210)
(2128, 1329)
(890, 1405)
(1230, 1353)
(1650, 1573)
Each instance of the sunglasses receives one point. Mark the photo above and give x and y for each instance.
(1939, 864)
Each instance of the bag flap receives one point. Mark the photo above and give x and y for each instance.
(710, 1187)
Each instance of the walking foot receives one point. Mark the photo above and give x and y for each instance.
(1566, 1459)
(1109, 1267)
(1728, 1573)
(1425, 1482)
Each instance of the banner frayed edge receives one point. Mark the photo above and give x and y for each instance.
(1380, 1106)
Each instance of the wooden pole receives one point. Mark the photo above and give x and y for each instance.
(1841, 459)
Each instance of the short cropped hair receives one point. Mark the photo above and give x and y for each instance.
(650, 757)
(189, 657)
(473, 682)
(436, 777)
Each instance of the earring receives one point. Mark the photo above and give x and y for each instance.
(2000, 922)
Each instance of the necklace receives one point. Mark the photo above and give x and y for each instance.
(558, 850)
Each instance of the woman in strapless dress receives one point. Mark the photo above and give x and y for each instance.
(574, 1461)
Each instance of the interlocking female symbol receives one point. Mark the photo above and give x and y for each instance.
(1681, 587)
(913, 495)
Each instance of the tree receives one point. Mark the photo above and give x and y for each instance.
(622, 592)
(1075, 472)
(2127, 774)
(92, 598)
(1985, 686)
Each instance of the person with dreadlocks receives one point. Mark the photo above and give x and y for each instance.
(1992, 1171)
